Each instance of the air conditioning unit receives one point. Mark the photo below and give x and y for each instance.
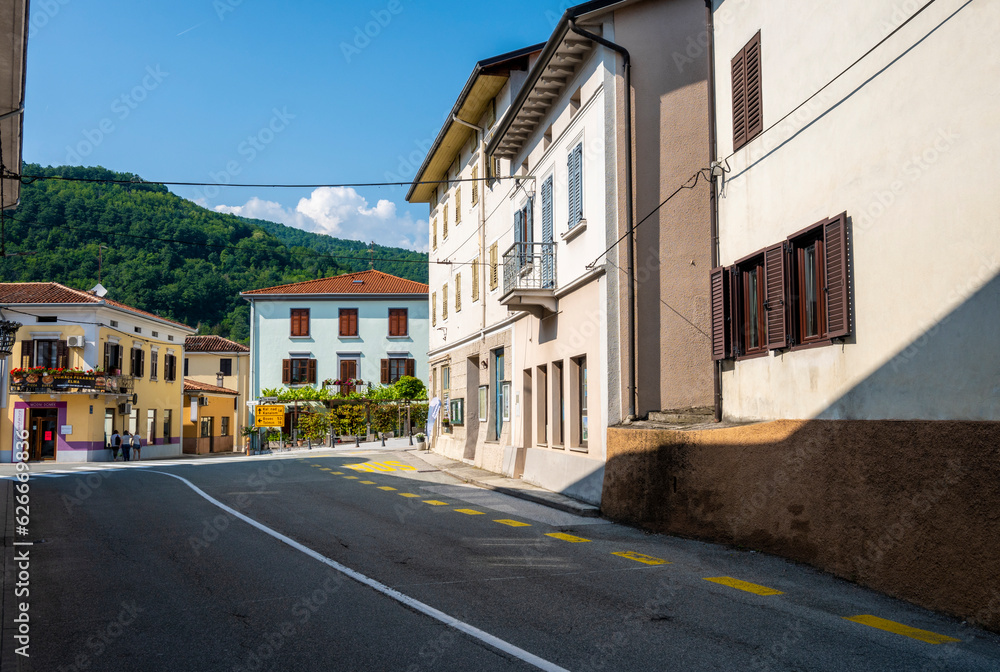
(75, 341)
(124, 409)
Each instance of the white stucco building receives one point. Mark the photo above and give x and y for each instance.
(368, 326)
(858, 235)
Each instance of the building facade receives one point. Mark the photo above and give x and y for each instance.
(353, 330)
(84, 366)
(210, 418)
(471, 337)
(217, 361)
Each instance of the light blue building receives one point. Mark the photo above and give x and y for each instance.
(367, 326)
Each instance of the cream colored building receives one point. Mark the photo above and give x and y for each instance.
(867, 202)
(217, 361)
(584, 353)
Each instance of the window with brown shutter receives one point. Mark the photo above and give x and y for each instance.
(300, 321)
(385, 372)
(62, 355)
(748, 116)
(411, 367)
(444, 301)
(475, 279)
(493, 266)
(311, 371)
(458, 205)
(458, 292)
(286, 371)
(398, 322)
(475, 185)
(444, 223)
(434, 309)
(838, 309)
(349, 322)
(819, 291)
(774, 297)
(28, 353)
(434, 234)
(720, 313)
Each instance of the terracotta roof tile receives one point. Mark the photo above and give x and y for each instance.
(53, 292)
(208, 343)
(362, 282)
(195, 386)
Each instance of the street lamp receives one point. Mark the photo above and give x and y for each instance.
(8, 333)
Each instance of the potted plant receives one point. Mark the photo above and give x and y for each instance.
(420, 437)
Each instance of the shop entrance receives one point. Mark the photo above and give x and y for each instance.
(43, 424)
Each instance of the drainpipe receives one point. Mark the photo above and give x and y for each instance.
(629, 221)
(713, 199)
(482, 219)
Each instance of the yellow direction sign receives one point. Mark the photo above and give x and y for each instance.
(269, 416)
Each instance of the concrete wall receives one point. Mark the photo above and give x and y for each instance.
(917, 178)
(673, 247)
(907, 508)
(273, 343)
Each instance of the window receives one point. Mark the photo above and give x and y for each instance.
(138, 362)
(457, 412)
(186, 366)
(580, 374)
(52, 354)
(226, 366)
(300, 322)
(475, 279)
(151, 427)
(133, 420)
(444, 223)
(574, 165)
(475, 185)
(434, 233)
(523, 232)
(112, 357)
(138, 330)
(224, 426)
(349, 322)
(298, 371)
(484, 394)
(458, 205)
(156, 334)
(395, 368)
(114, 323)
(398, 322)
(458, 292)
(493, 266)
(547, 252)
(170, 337)
(748, 118)
(154, 364)
(434, 309)
(170, 367)
(206, 427)
(444, 301)
(167, 419)
(47, 318)
(505, 395)
(793, 293)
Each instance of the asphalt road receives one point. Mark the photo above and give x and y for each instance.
(305, 563)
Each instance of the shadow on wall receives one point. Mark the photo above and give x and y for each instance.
(951, 371)
(908, 507)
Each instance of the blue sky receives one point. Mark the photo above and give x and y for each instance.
(261, 91)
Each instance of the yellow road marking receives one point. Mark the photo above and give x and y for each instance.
(512, 523)
(352, 477)
(391, 465)
(386, 487)
(754, 588)
(367, 482)
(471, 512)
(900, 629)
(566, 537)
(337, 473)
(325, 469)
(407, 494)
(644, 559)
(434, 502)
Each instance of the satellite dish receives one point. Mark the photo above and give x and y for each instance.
(99, 290)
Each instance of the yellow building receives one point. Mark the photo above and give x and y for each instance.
(217, 361)
(210, 415)
(84, 365)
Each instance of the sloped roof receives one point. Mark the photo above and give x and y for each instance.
(195, 386)
(53, 292)
(362, 282)
(208, 343)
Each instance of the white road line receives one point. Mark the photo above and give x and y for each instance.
(436, 614)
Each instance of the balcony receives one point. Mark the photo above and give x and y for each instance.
(529, 278)
(72, 382)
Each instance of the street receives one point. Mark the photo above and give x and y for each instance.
(355, 559)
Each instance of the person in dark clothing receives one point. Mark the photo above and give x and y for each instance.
(126, 448)
(116, 445)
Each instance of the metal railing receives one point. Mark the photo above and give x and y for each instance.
(529, 266)
(71, 383)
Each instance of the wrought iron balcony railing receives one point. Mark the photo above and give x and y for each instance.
(529, 266)
(71, 383)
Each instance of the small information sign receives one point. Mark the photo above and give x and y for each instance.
(269, 416)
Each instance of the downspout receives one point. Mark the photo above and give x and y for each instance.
(482, 219)
(630, 228)
(713, 199)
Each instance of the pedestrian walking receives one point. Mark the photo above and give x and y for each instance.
(136, 444)
(126, 445)
(116, 445)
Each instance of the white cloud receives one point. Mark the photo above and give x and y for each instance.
(343, 213)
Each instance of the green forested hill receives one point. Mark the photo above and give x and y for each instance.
(63, 223)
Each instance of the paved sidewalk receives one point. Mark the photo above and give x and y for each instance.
(514, 487)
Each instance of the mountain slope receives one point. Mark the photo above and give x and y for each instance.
(166, 254)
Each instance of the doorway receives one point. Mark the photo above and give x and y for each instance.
(44, 424)
(348, 371)
(497, 383)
